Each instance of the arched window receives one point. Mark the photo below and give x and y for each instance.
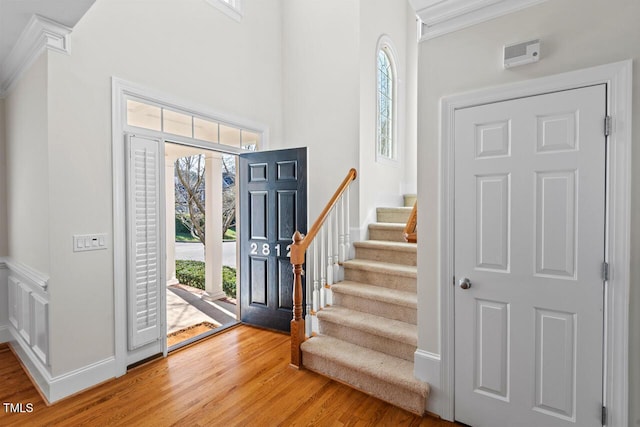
(386, 103)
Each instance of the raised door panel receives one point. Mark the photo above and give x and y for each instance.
(14, 302)
(24, 312)
(40, 322)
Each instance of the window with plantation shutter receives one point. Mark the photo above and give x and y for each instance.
(143, 236)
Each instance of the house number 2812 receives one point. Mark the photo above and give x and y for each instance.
(265, 249)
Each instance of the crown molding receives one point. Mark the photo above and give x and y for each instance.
(440, 17)
(39, 35)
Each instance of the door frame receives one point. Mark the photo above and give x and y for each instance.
(618, 78)
(120, 91)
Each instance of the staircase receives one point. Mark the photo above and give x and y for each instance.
(368, 336)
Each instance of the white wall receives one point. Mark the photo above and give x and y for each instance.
(382, 183)
(330, 103)
(411, 112)
(27, 169)
(575, 34)
(185, 49)
(320, 57)
(4, 238)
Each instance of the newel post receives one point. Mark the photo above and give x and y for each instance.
(297, 323)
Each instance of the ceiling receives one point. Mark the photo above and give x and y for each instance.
(15, 14)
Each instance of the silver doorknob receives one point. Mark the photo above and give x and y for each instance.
(465, 283)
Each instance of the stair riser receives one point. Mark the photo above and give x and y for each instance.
(387, 255)
(386, 235)
(410, 200)
(379, 308)
(392, 393)
(393, 216)
(364, 339)
(387, 280)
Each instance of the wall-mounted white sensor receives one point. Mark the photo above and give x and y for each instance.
(521, 53)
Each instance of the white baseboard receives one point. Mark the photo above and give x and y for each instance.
(80, 379)
(56, 388)
(427, 369)
(5, 334)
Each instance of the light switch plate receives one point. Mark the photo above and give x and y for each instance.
(89, 242)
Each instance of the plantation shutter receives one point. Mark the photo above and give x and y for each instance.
(143, 235)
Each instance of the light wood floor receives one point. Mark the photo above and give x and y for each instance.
(238, 378)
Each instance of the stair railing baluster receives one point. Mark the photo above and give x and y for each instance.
(316, 292)
(336, 246)
(347, 231)
(341, 250)
(323, 266)
(298, 249)
(329, 266)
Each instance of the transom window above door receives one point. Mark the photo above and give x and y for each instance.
(149, 116)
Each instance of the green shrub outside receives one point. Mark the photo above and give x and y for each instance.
(191, 273)
(229, 281)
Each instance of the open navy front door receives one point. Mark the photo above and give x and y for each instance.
(273, 205)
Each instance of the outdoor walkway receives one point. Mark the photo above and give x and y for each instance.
(186, 309)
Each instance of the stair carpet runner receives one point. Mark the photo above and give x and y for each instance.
(368, 336)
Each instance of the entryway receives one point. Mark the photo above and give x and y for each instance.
(200, 197)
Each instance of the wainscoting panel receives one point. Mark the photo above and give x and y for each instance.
(28, 311)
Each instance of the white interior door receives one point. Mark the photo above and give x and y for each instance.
(529, 237)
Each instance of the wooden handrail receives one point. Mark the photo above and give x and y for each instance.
(412, 223)
(298, 249)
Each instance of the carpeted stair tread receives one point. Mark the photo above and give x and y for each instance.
(378, 365)
(382, 267)
(393, 226)
(376, 293)
(395, 330)
(386, 244)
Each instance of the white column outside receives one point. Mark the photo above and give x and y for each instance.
(170, 196)
(213, 226)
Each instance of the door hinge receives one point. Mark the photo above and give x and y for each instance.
(453, 282)
(605, 271)
(604, 415)
(607, 126)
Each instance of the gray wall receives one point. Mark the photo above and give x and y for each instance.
(27, 170)
(575, 34)
(4, 238)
